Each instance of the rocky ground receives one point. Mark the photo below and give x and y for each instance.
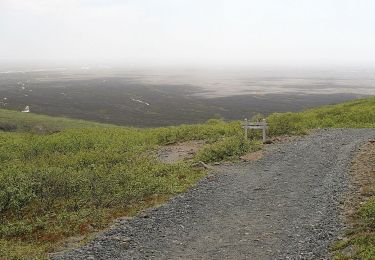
(286, 205)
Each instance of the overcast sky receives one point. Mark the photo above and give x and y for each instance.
(189, 32)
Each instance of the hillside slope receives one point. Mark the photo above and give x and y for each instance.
(11, 121)
(61, 177)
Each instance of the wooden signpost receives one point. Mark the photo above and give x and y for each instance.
(256, 125)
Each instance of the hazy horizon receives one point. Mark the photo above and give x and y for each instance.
(187, 33)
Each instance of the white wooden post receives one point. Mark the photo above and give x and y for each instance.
(264, 130)
(256, 125)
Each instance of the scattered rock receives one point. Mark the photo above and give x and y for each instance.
(201, 164)
(254, 156)
(210, 177)
(123, 219)
(144, 215)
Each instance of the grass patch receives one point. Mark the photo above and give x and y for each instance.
(226, 149)
(51, 186)
(360, 241)
(358, 113)
(14, 121)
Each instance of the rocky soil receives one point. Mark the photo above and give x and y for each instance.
(180, 151)
(286, 205)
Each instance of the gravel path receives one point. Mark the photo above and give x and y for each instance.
(286, 205)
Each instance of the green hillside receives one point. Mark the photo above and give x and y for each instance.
(358, 113)
(61, 177)
(11, 121)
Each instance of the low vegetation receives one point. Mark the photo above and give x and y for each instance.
(227, 148)
(358, 113)
(12, 121)
(61, 177)
(72, 181)
(360, 207)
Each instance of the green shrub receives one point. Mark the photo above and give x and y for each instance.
(15, 229)
(353, 114)
(286, 123)
(211, 131)
(226, 148)
(367, 212)
(8, 127)
(16, 189)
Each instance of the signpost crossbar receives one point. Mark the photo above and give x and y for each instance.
(256, 125)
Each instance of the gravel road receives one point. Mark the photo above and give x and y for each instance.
(283, 206)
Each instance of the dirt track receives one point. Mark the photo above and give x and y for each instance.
(286, 205)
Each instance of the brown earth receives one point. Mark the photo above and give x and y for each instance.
(362, 187)
(180, 151)
(362, 174)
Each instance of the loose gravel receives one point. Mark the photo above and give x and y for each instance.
(283, 206)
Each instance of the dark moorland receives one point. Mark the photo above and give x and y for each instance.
(145, 98)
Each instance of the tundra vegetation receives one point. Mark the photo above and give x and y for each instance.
(359, 242)
(61, 177)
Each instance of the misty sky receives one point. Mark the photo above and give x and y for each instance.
(189, 32)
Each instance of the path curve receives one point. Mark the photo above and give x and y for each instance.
(286, 205)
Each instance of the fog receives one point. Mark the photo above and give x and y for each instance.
(188, 32)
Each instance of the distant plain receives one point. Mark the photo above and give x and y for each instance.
(150, 97)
